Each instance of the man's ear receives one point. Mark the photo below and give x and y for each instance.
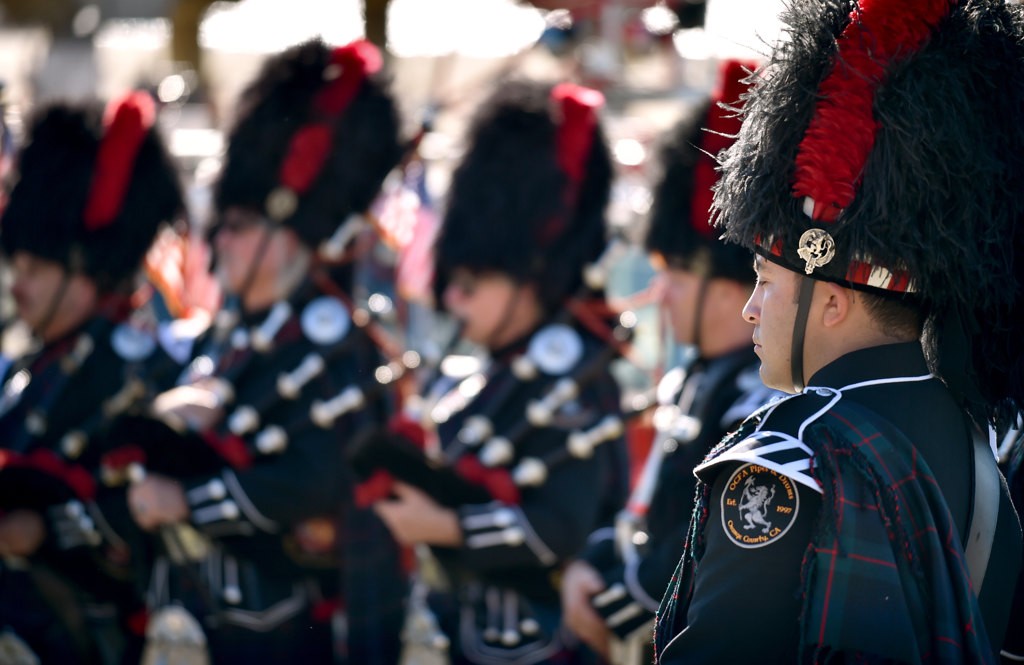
(838, 302)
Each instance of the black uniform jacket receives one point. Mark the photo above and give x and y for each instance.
(56, 404)
(744, 596)
(504, 576)
(287, 542)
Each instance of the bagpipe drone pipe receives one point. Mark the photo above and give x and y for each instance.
(37, 477)
(474, 466)
(166, 445)
(52, 471)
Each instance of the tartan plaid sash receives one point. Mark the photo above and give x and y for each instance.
(884, 579)
(885, 532)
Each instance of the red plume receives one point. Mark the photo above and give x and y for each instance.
(842, 132)
(307, 153)
(723, 124)
(127, 121)
(311, 143)
(578, 107)
(349, 66)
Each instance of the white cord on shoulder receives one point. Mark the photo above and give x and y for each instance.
(894, 379)
(837, 394)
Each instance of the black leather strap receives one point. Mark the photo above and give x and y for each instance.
(803, 308)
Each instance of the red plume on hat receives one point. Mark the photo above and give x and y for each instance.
(882, 150)
(93, 188)
(679, 229)
(721, 127)
(127, 121)
(312, 143)
(831, 158)
(576, 109)
(529, 196)
(317, 134)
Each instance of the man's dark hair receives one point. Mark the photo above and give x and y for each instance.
(898, 318)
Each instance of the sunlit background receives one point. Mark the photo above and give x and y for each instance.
(444, 57)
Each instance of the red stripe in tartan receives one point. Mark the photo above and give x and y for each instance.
(856, 504)
(895, 484)
(951, 545)
(839, 490)
(912, 478)
(860, 557)
(828, 591)
(873, 560)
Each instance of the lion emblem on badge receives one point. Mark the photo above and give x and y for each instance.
(754, 504)
(816, 248)
(759, 505)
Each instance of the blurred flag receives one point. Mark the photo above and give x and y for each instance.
(177, 267)
(409, 224)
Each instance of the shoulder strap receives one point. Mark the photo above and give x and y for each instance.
(981, 525)
(981, 530)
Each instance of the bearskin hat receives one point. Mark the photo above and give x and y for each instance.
(91, 192)
(528, 199)
(882, 149)
(316, 134)
(680, 228)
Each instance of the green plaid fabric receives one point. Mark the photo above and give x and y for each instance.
(884, 579)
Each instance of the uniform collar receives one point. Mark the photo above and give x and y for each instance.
(298, 297)
(515, 347)
(876, 362)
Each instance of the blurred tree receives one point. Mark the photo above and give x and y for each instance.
(185, 19)
(376, 15)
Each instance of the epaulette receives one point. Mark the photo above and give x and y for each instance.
(774, 449)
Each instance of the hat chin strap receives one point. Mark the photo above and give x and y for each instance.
(803, 308)
(53, 306)
(254, 267)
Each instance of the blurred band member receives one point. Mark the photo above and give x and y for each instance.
(287, 569)
(525, 216)
(91, 194)
(858, 520)
(613, 590)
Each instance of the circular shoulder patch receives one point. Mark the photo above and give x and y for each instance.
(555, 349)
(325, 320)
(759, 506)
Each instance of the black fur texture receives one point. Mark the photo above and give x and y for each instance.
(277, 103)
(44, 215)
(942, 191)
(509, 187)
